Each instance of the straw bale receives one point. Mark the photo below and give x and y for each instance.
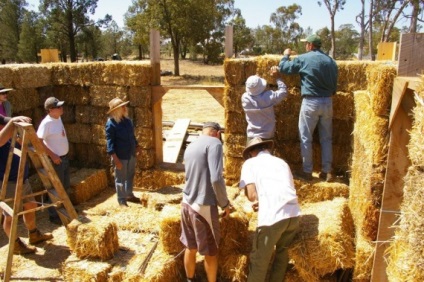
(380, 80)
(143, 117)
(91, 115)
(71, 94)
(235, 144)
(364, 257)
(234, 267)
(98, 134)
(145, 159)
(68, 116)
(140, 96)
(287, 129)
(325, 242)
(170, 195)
(170, 229)
(416, 153)
(85, 270)
(79, 133)
(264, 64)
(235, 236)
(72, 74)
(6, 74)
(352, 75)
(232, 169)
(100, 95)
(97, 239)
(289, 151)
(320, 191)
(238, 70)
(293, 276)
(368, 165)
(31, 75)
(144, 137)
(123, 73)
(153, 179)
(235, 123)
(23, 99)
(342, 133)
(232, 98)
(90, 155)
(406, 258)
(290, 105)
(343, 106)
(87, 183)
(164, 267)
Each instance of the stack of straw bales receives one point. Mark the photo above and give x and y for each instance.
(369, 161)
(406, 259)
(352, 76)
(86, 89)
(325, 242)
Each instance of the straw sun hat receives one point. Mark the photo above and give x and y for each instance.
(115, 103)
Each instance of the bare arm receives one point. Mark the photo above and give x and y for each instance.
(7, 131)
(250, 192)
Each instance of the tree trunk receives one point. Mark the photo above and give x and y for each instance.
(370, 31)
(333, 39)
(414, 16)
(176, 53)
(362, 36)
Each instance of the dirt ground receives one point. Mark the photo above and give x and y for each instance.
(50, 258)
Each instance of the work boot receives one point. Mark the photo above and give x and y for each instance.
(305, 176)
(328, 176)
(134, 199)
(21, 248)
(35, 236)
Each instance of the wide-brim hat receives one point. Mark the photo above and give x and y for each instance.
(255, 142)
(3, 89)
(115, 103)
(255, 85)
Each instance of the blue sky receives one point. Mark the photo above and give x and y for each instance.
(256, 12)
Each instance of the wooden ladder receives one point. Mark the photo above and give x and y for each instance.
(33, 147)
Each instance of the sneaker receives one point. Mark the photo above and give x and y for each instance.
(21, 248)
(37, 237)
(306, 176)
(134, 199)
(328, 176)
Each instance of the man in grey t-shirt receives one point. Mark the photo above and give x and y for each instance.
(204, 191)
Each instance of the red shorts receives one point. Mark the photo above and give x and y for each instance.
(200, 229)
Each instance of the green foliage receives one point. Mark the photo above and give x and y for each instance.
(31, 38)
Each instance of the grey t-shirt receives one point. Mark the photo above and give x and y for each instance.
(203, 172)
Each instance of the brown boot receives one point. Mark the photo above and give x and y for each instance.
(35, 236)
(21, 248)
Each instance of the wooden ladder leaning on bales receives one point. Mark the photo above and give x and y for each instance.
(53, 187)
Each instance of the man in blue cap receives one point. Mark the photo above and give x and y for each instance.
(318, 78)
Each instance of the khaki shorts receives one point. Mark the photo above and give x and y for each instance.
(197, 233)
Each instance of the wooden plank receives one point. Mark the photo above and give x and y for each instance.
(397, 166)
(173, 144)
(411, 54)
(386, 51)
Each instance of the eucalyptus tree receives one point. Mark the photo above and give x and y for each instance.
(284, 19)
(67, 18)
(183, 22)
(242, 37)
(333, 6)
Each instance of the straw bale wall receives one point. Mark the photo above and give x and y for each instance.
(86, 89)
(405, 254)
(352, 76)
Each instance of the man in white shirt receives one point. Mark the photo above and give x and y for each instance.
(53, 135)
(268, 182)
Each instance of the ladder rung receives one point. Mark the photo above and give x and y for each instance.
(5, 207)
(43, 207)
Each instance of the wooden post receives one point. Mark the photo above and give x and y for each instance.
(229, 41)
(411, 54)
(157, 105)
